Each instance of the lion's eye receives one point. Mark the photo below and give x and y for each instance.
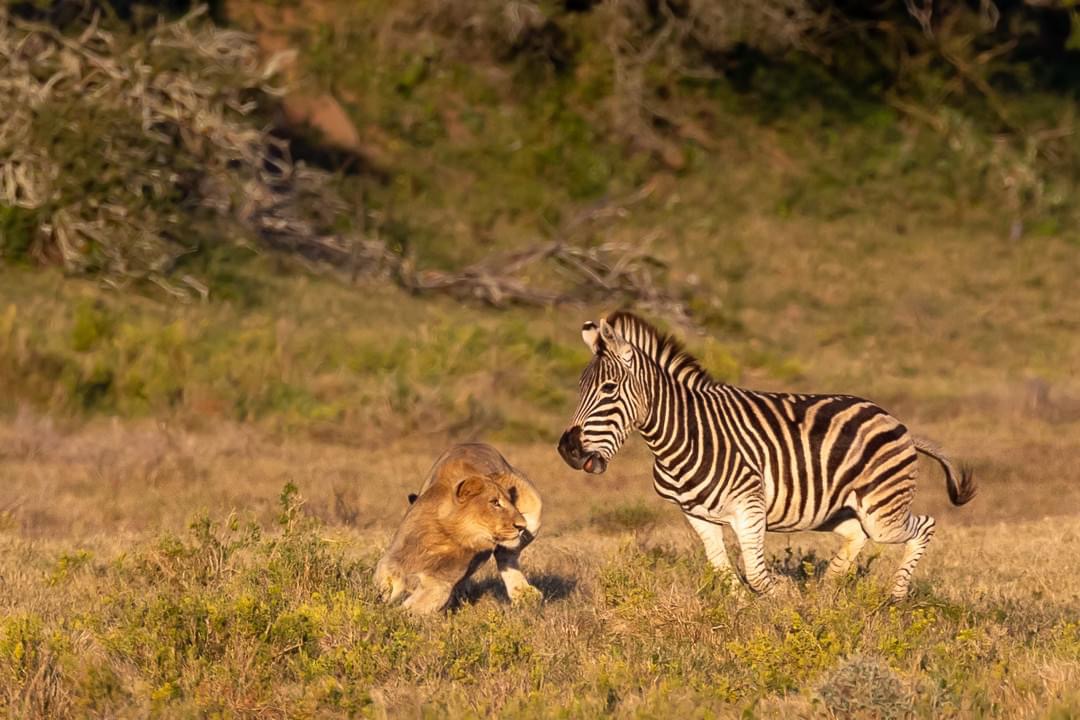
(608, 388)
(496, 503)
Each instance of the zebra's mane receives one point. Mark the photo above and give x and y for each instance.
(663, 348)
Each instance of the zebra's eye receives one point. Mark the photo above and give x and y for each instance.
(609, 388)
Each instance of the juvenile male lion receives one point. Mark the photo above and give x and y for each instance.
(472, 503)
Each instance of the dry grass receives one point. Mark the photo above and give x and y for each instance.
(114, 607)
(152, 566)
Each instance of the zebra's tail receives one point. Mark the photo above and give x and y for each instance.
(961, 485)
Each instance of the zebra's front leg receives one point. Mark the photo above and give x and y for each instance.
(712, 537)
(749, 526)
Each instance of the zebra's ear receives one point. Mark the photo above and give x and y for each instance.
(616, 343)
(591, 335)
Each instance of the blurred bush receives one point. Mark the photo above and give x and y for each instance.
(149, 150)
(122, 154)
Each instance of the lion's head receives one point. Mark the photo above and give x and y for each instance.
(483, 515)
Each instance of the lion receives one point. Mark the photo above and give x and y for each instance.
(473, 503)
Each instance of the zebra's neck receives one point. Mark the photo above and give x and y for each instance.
(680, 411)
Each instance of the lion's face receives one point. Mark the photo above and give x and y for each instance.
(486, 512)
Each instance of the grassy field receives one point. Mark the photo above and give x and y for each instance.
(148, 570)
(152, 565)
(157, 559)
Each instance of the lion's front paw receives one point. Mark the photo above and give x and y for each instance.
(526, 595)
(389, 587)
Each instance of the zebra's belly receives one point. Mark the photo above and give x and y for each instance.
(796, 505)
(803, 502)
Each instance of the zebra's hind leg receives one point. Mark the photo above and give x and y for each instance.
(915, 532)
(855, 537)
(921, 528)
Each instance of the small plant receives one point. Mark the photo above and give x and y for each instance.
(291, 503)
(68, 564)
(864, 686)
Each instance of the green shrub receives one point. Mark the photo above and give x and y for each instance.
(91, 323)
(17, 228)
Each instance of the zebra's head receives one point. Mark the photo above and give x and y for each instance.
(612, 400)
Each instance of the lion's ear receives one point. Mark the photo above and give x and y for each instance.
(470, 487)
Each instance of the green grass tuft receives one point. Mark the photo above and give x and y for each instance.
(623, 517)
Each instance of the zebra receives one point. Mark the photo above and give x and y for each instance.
(754, 461)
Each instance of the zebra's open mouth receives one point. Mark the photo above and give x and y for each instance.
(594, 464)
(577, 456)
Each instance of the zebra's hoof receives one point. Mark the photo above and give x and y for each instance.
(783, 589)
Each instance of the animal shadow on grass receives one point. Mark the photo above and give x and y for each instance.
(553, 587)
(803, 566)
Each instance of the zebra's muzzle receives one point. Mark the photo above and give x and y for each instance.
(576, 456)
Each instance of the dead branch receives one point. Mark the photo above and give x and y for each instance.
(923, 13)
(612, 272)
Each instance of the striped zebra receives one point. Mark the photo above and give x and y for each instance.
(754, 461)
